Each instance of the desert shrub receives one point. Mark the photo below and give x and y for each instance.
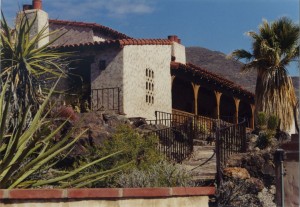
(272, 122)
(262, 120)
(139, 149)
(201, 127)
(264, 140)
(162, 174)
(67, 112)
(235, 192)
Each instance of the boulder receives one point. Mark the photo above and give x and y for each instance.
(255, 185)
(252, 138)
(236, 172)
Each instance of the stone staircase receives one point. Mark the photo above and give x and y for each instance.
(202, 164)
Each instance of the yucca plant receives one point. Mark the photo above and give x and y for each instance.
(28, 155)
(30, 67)
(25, 154)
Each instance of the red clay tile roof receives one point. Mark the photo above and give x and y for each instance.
(96, 27)
(211, 77)
(119, 43)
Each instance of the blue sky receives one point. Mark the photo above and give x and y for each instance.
(218, 25)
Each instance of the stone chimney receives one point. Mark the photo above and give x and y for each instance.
(174, 38)
(37, 4)
(178, 50)
(41, 22)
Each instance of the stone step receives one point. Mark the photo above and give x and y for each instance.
(204, 148)
(207, 176)
(205, 167)
(295, 138)
(201, 164)
(292, 156)
(290, 146)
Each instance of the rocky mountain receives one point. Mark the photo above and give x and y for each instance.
(217, 62)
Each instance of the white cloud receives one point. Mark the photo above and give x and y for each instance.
(83, 9)
(123, 7)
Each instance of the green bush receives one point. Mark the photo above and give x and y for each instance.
(273, 122)
(201, 127)
(141, 150)
(262, 120)
(162, 174)
(138, 152)
(264, 140)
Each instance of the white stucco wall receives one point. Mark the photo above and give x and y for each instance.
(137, 58)
(112, 76)
(178, 51)
(196, 201)
(40, 23)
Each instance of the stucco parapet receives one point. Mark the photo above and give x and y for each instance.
(103, 193)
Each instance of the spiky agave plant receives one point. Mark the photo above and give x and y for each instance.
(29, 67)
(25, 153)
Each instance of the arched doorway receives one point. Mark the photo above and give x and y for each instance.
(245, 112)
(227, 108)
(207, 103)
(182, 95)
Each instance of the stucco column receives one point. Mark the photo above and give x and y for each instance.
(218, 98)
(237, 103)
(252, 115)
(196, 90)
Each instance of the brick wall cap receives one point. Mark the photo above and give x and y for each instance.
(103, 193)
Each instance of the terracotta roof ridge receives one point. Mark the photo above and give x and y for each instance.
(118, 42)
(94, 26)
(136, 41)
(94, 43)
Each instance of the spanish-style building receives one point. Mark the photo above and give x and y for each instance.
(140, 76)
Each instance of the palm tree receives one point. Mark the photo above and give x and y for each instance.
(273, 49)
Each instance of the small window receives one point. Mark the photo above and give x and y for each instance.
(102, 65)
(149, 86)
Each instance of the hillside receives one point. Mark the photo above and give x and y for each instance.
(216, 62)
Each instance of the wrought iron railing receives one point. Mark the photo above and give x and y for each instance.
(229, 140)
(204, 127)
(176, 142)
(106, 99)
(231, 137)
